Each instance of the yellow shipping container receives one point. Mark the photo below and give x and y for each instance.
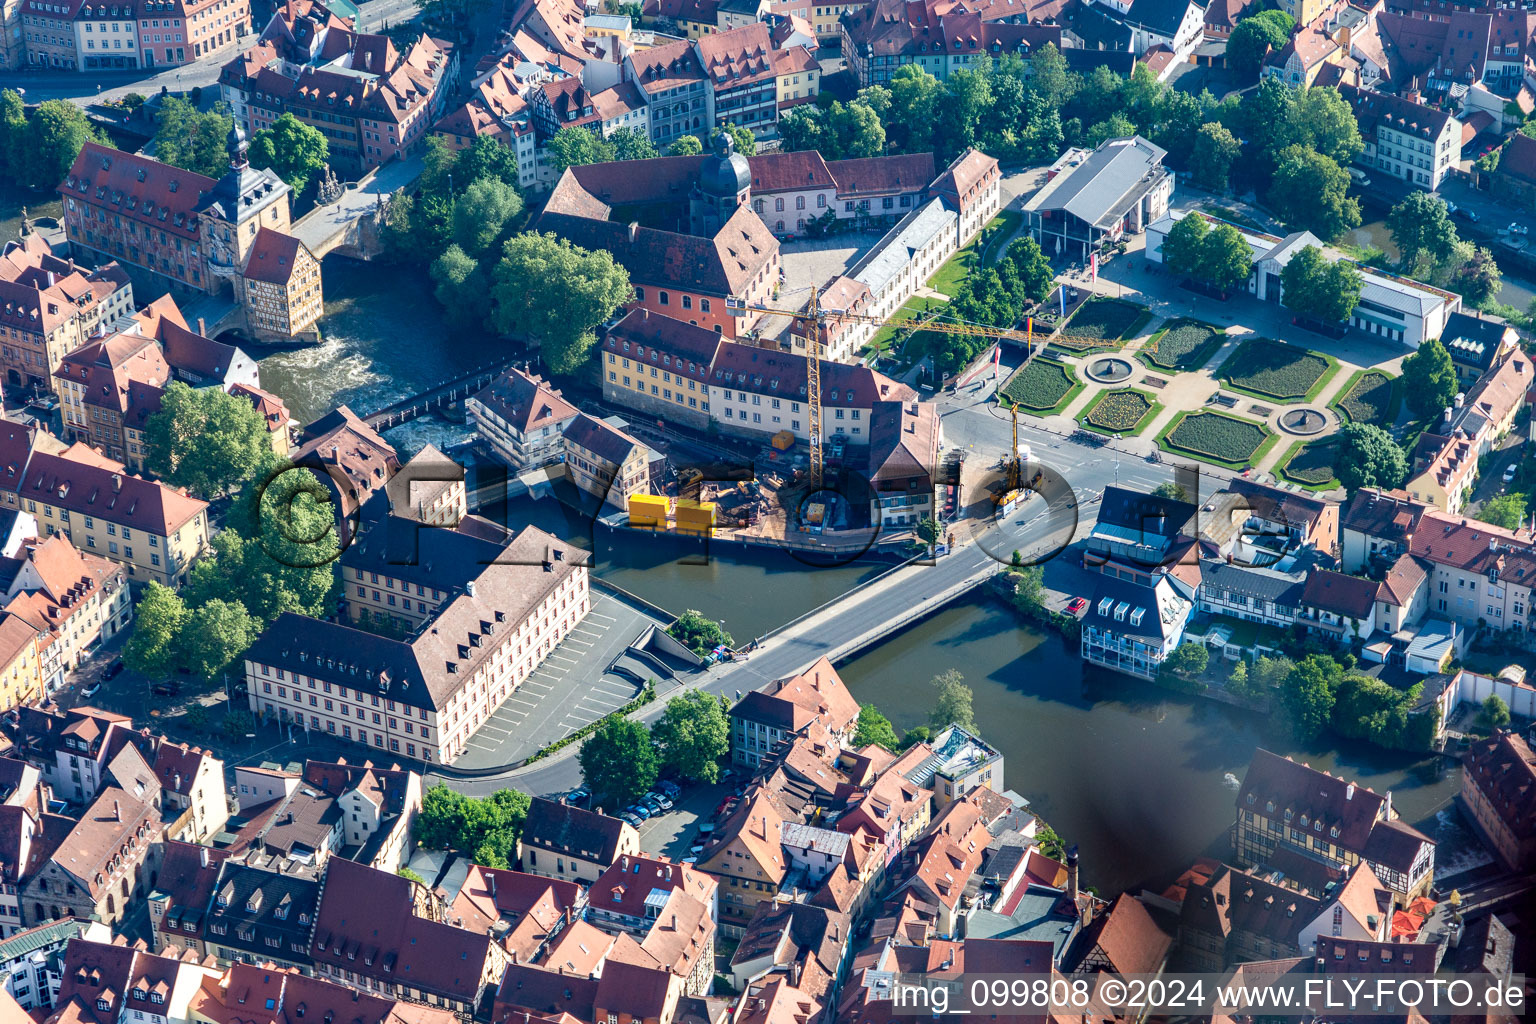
(648, 510)
(784, 440)
(697, 517)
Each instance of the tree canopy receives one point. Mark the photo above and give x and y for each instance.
(1422, 230)
(693, 735)
(1368, 457)
(955, 703)
(1429, 378)
(205, 440)
(1310, 190)
(1506, 510)
(295, 151)
(618, 762)
(874, 728)
(1253, 38)
(557, 293)
(1318, 288)
(38, 151)
(192, 139)
(698, 633)
(486, 829)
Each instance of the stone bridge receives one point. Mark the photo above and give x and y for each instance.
(353, 224)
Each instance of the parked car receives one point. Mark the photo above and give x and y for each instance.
(91, 691)
(1465, 214)
(1076, 605)
(640, 811)
(652, 802)
(1510, 471)
(665, 802)
(670, 788)
(579, 795)
(112, 669)
(166, 688)
(633, 820)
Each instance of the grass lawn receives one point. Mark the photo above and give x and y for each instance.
(1371, 396)
(997, 231)
(1232, 216)
(1042, 387)
(1102, 323)
(1126, 412)
(916, 308)
(1216, 437)
(1310, 464)
(1182, 345)
(1279, 372)
(957, 268)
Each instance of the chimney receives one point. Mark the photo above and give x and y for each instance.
(177, 781)
(202, 327)
(117, 481)
(634, 229)
(117, 814)
(202, 856)
(1349, 791)
(490, 880)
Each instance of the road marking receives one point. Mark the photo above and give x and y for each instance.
(555, 656)
(605, 618)
(520, 700)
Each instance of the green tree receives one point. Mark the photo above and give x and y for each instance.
(857, 130)
(56, 132)
(1172, 491)
(1315, 287)
(13, 128)
(915, 735)
(1116, 126)
(294, 150)
(699, 633)
(874, 728)
(485, 829)
(487, 157)
(1032, 268)
(205, 440)
(237, 725)
(557, 293)
(1184, 246)
(1029, 589)
(1479, 279)
(1323, 121)
(462, 288)
(1253, 38)
(1215, 150)
(153, 648)
(744, 140)
(686, 145)
(487, 207)
(929, 531)
(693, 735)
(955, 704)
(618, 761)
(1310, 190)
(1226, 261)
(1429, 379)
(1189, 659)
(915, 97)
(1368, 457)
(632, 144)
(1422, 230)
(1270, 671)
(1050, 78)
(574, 147)
(192, 139)
(1494, 713)
(1506, 510)
(216, 634)
(1307, 695)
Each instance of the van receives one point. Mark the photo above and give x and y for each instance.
(1359, 176)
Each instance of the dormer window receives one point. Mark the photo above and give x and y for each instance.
(1304, 821)
(103, 1005)
(139, 994)
(156, 997)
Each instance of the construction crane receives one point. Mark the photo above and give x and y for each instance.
(818, 316)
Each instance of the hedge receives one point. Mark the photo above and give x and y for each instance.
(646, 696)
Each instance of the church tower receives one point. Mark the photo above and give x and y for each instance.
(724, 186)
(239, 204)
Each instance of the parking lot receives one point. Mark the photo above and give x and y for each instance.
(569, 690)
(675, 833)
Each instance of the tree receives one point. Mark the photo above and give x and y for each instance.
(1368, 457)
(632, 144)
(1317, 288)
(56, 132)
(1494, 713)
(153, 647)
(1172, 491)
(618, 761)
(13, 127)
(1307, 695)
(1116, 126)
(693, 736)
(1506, 510)
(955, 703)
(1226, 261)
(1479, 279)
(292, 149)
(1189, 659)
(487, 207)
(744, 140)
(874, 728)
(1310, 190)
(486, 158)
(461, 287)
(216, 634)
(1323, 121)
(698, 633)
(1429, 379)
(192, 139)
(1050, 78)
(486, 829)
(1269, 672)
(686, 145)
(1184, 245)
(915, 96)
(929, 530)
(1029, 589)
(1253, 38)
(1422, 230)
(205, 440)
(857, 130)
(238, 724)
(1215, 150)
(574, 147)
(915, 735)
(557, 293)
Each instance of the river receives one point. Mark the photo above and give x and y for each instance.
(1517, 292)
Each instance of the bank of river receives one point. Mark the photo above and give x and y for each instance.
(1516, 291)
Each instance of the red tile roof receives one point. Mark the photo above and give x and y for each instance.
(274, 254)
(156, 195)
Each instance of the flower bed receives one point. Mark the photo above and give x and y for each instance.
(1120, 412)
(1182, 345)
(1099, 322)
(1043, 385)
(1370, 399)
(1273, 369)
(1312, 464)
(1217, 436)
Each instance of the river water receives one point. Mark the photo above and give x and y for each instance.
(1515, 292)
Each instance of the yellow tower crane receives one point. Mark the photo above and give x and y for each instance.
(817, 316)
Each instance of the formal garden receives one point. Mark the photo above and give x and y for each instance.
(1042, 386)
(1271, 369)
(1102, 323)
(1217, 437)
(1121, 412)
(1182, 345)
(1372, 396)
(1310, 464)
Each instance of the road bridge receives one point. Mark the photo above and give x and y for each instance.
(353, 224)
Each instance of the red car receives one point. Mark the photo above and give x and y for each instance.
(1076, 605)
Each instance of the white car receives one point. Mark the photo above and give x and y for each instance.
(91, 691)
(1510, 470)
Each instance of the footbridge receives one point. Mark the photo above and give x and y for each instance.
(439, 396)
